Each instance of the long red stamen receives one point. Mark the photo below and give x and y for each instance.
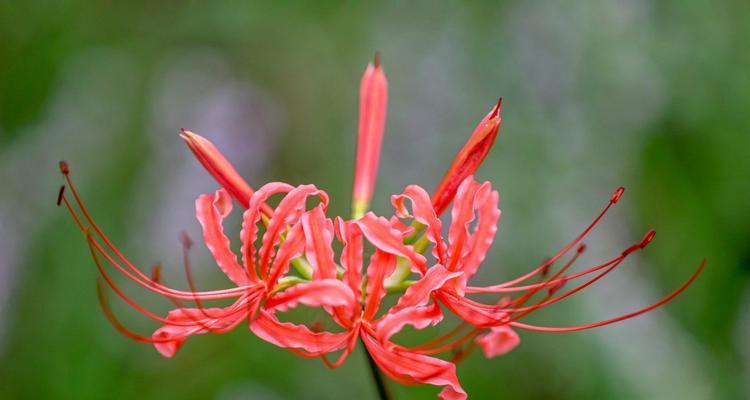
(104, 303)
(187, 244)
(127, 299)
(612, 201)
(442, 349)
(616, 319)
(464, 353)
(139, 277)
(609, 265)
(442, 338)
(617, 261)
(522, 300)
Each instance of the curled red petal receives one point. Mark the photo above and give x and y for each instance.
(424, 214)
(169, 338)
(351, 257)
(288, 212)
(418, 317)
(480, 241)
(408, 367)
(293, 247)
(462, 215)
(211, 211)
(381, 266)
(319, 293)
(379, 232)
(251, 217)
(318, 237)
(293, 336)
(419, 293)
(498, 341)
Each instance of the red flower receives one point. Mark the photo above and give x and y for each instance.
(256, 279)
(477, 204)
(301, 237)
(361, 320)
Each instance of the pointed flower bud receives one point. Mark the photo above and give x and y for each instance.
(218, 166)
(373, 102)
(468, 159)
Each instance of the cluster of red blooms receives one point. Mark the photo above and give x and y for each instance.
(288, 259)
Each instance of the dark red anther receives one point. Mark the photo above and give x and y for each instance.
(185, 239)
(504, 301)
(64, 167)
(556, 286)
(156, 273)
(545, 270)
(60, 195)
(376, 59)
(581, 248)
(617, 194)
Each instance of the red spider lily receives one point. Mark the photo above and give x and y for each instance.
(465, 250)
(359, 318)
(256, 278)
(301, 236)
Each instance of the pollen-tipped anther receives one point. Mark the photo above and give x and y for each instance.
(60, 195)
(617, 194)
(186, 241)
(156, 273)
(556, 286)
(640, 245)
(64, 168)
(647, 239)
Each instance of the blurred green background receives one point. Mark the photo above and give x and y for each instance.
(649, 95)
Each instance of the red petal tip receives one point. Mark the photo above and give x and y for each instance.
(497, 107)
(647, 239)
(617, 194)
(64, 168)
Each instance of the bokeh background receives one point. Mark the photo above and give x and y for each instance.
(651, 95)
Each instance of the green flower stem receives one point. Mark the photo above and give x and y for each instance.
(287, 282)
(400, 287)
(377, 376)
(303, 267)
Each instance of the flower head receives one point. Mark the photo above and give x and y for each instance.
(287, 259)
